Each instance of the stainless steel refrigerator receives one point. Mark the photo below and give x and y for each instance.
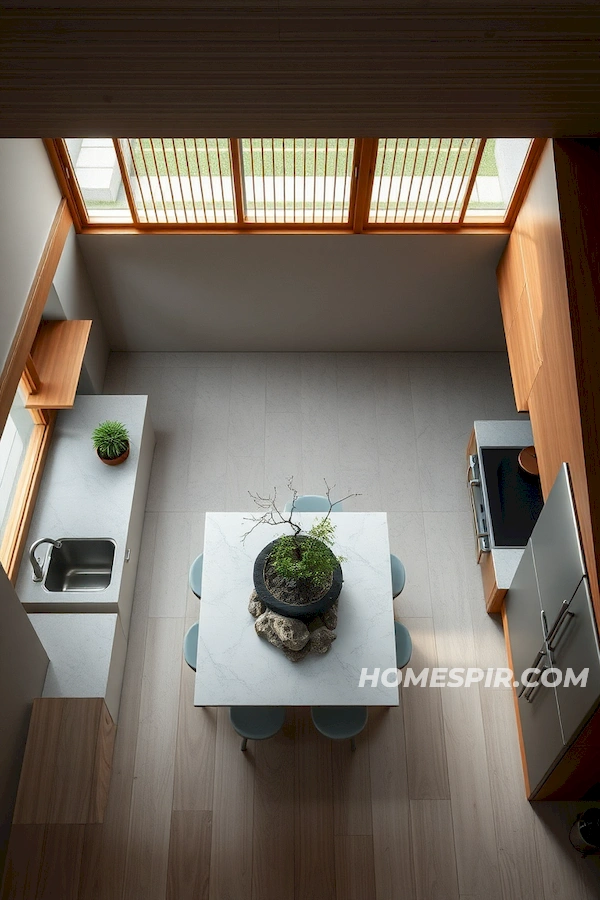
(552, 626)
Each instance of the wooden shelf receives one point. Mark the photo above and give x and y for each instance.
(57, 354)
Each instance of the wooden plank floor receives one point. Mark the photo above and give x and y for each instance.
(431, 806)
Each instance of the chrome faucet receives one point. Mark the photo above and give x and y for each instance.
(38, 573)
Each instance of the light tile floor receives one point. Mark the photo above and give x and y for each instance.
(432, 803)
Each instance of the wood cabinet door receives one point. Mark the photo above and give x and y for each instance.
(511, 280)
(523, 351)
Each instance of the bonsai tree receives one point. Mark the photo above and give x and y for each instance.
(110, 439)
(304, 559)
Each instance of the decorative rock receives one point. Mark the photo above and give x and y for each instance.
(255, 606)
(293, 636)
(289, 634)
(315, 623)
(264, 628)
(321, 640)
(331, 616)
(292, 632)
(297, 655)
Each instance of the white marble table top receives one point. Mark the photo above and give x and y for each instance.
(238, 668)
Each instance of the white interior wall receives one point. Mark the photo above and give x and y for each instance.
(29, 199)
(75, 296)
(297, 292)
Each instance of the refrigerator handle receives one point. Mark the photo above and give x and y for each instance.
(563, 614)
(531, 690)
(558, 634)
(537, 660)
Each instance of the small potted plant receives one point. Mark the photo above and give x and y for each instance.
(111, 442)
(297, 575)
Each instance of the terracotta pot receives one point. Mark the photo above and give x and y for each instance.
(117, 460)
(304, 611)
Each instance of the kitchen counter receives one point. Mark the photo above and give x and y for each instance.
(87, 655)
(81, 497)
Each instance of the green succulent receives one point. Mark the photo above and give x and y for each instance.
(110, 439)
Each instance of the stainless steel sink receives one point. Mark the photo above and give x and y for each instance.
(80, 564)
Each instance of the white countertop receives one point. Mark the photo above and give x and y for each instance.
(503, 433)
(506, 560)
(81, 497)
(237, 667)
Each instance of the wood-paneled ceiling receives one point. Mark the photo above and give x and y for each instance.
(286, 67)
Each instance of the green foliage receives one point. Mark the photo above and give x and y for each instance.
(308, 559)
(110, 439)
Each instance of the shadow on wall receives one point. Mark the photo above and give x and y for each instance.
(297, 292)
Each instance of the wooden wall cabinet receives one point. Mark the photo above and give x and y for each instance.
(519, 297)
(558, 235)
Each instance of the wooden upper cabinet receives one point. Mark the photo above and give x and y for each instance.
(523, 351)
(523, 339)
(511, 280)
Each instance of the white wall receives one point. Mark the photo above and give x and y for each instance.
(29, 199)
(297, 292)
(75, 296)
(23, 663)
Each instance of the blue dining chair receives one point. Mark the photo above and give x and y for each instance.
(403, 645)
(196, 575)
(312, 503)
(190, 646)
(340, 722)
(398, 575)
(256, 723)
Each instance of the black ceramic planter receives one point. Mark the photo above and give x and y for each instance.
(292, 610)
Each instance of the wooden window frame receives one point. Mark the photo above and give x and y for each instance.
(365, 155)
(19, 365)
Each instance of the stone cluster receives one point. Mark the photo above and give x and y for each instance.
(297, 639)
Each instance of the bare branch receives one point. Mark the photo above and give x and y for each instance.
(335, 502)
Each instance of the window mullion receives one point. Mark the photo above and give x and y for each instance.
(126, 181)
(238, 185)
(363, 176)
(471, 183)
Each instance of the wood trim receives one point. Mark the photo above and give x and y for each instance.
(67, 181)
(238, 184)
(17, 527)
(30, 380)
(516, 702)
(364, 183)
(296, 228)
(32, 312)
(494, 596)
(126, 181)
(524, 181)
(472, 180)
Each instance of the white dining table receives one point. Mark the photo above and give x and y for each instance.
(236, 667)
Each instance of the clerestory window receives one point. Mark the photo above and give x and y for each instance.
(327, 184)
